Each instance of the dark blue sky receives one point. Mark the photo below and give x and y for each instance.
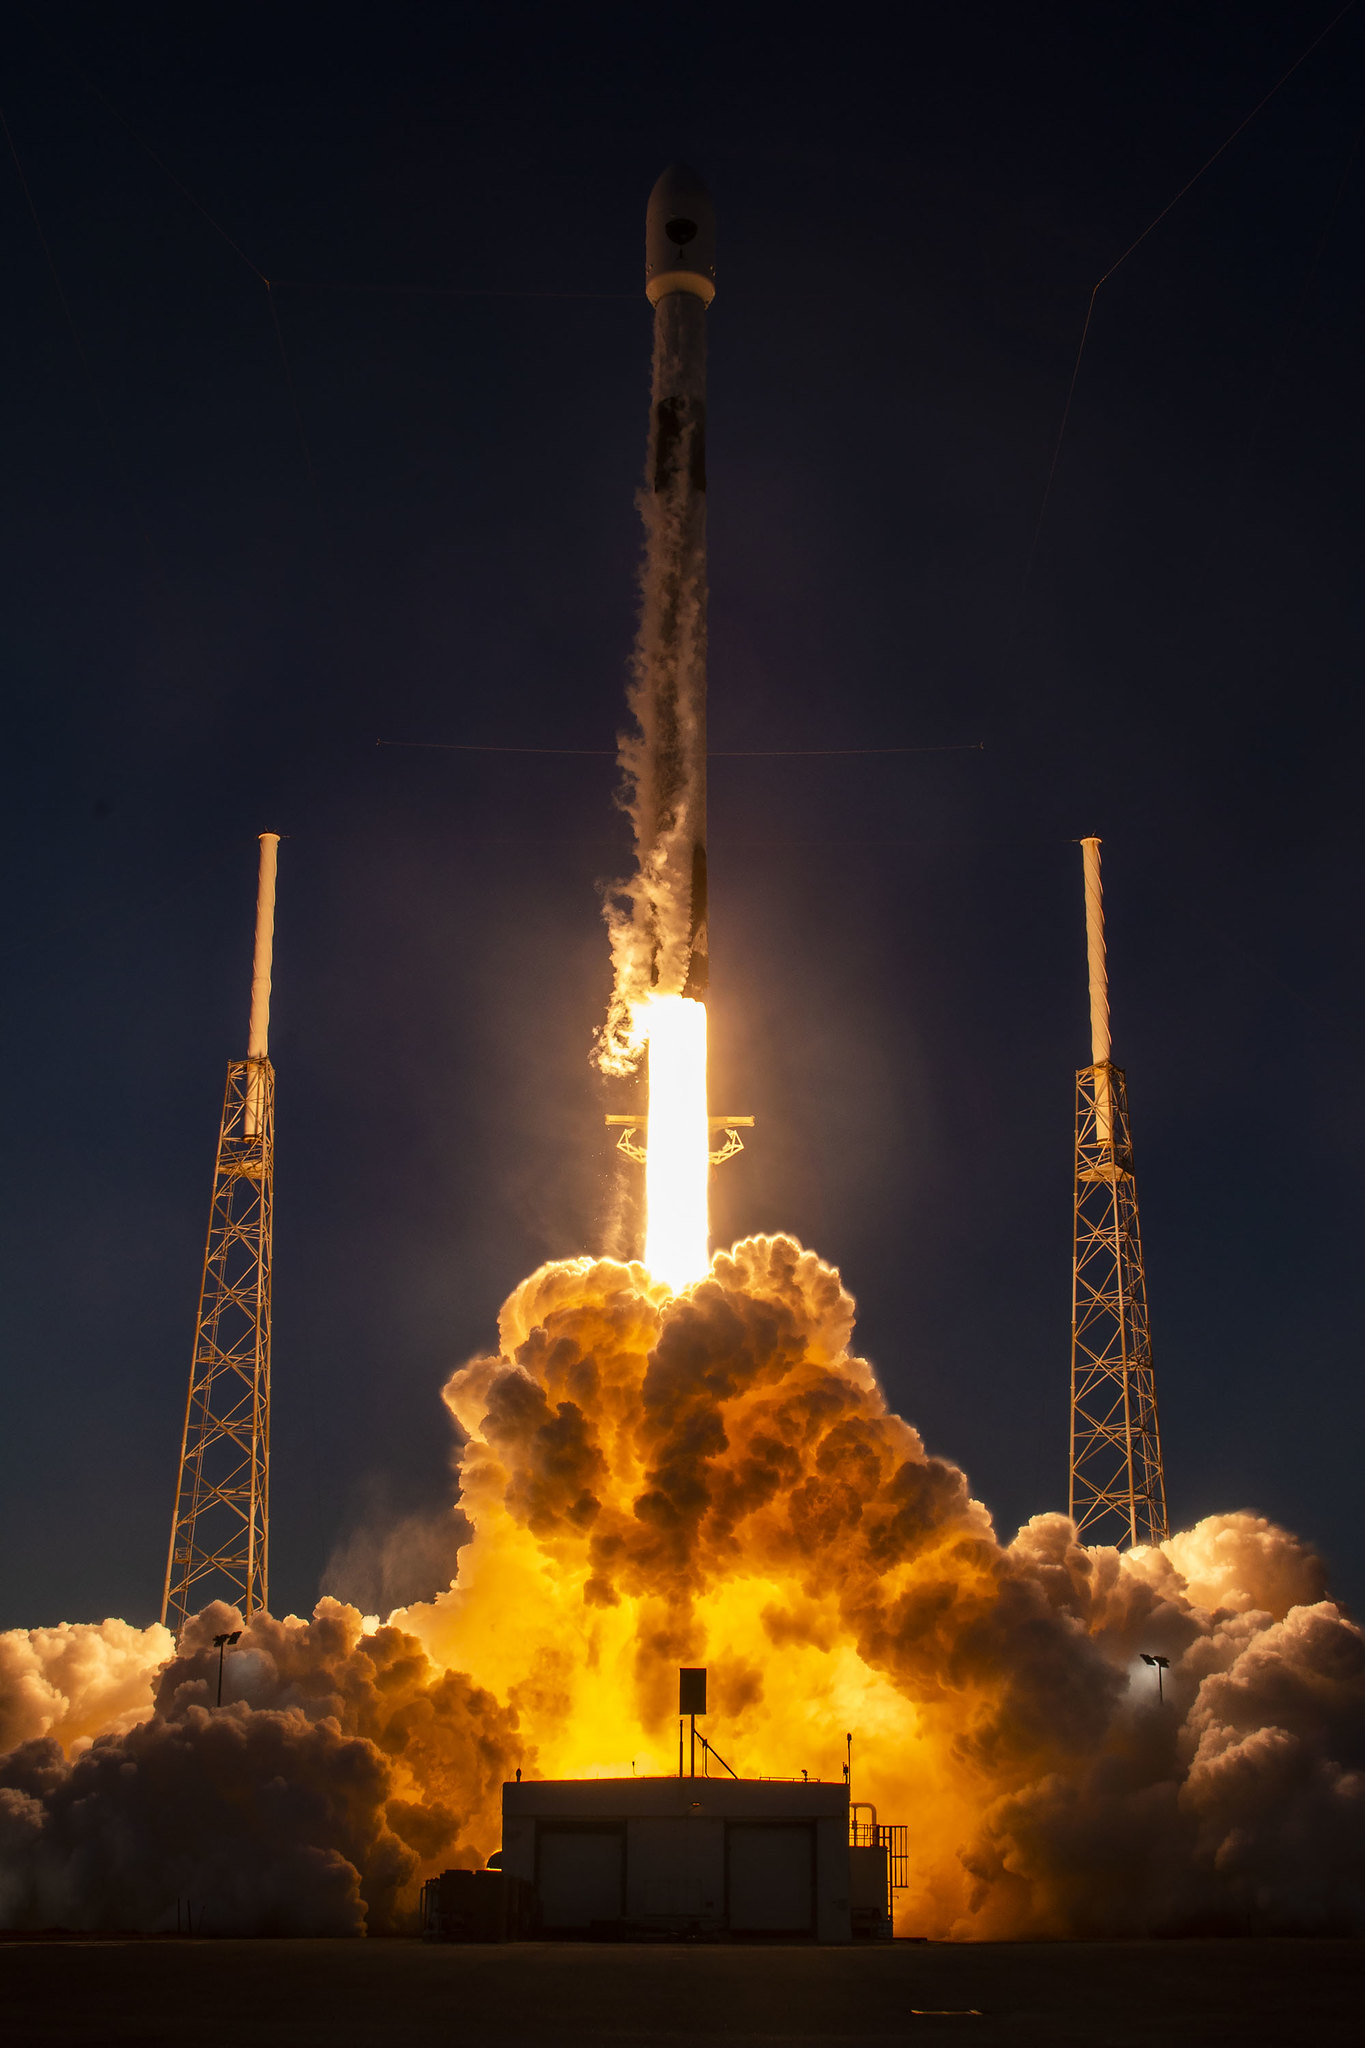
(203, 640)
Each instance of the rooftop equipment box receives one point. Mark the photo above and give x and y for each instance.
(477, 1905)
(711, 1857)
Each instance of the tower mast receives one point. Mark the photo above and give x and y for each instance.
(1118, 1486)
(220, 1531)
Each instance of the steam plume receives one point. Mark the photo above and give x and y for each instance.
(714, 1477)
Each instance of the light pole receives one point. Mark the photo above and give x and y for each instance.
(1160, 1664)
(224, 1643)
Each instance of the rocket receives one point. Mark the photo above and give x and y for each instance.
(669, 683)
(658, 920)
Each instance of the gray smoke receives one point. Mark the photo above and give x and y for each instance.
(657, 918)
(1238, 1805)
(390, 1559)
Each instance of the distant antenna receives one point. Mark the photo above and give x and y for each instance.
(220, 1532)
(1118, 1487)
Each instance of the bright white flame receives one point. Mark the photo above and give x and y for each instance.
(677, 1230)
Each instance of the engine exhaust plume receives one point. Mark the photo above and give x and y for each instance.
(678, 1161)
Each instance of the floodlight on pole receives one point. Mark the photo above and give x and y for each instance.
(222, 1644)
(1159, 1664)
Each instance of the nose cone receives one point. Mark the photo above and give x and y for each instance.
(680, 237)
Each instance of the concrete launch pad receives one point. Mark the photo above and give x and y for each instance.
(404, 1994)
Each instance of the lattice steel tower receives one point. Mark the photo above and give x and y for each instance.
(220, 1532)
(1118, 1487)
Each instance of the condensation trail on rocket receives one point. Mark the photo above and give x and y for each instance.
(658, 919)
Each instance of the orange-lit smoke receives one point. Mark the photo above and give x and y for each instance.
(713, 1477)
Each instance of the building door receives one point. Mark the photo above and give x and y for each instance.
(771, 1878)
(675, 1868)
(580, 1878)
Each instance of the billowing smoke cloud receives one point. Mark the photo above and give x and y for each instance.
(78, 1680)
(715, 1478)
(339, 1766)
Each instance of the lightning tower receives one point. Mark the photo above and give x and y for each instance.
(1118, 1487)
(220, 1531)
